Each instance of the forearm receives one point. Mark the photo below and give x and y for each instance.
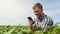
(31, 25)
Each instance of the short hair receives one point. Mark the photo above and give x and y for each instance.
(37, 5)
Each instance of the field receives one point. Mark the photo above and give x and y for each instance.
(55, 29)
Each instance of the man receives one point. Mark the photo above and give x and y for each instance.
(42, 20)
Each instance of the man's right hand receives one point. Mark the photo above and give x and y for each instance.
(30, 22)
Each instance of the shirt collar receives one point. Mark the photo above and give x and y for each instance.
(42, 16)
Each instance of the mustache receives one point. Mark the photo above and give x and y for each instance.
(36, 14)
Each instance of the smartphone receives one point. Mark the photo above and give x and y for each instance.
(29, 18)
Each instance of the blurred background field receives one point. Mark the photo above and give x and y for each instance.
(55, 29)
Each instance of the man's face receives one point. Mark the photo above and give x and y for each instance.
(38, 12)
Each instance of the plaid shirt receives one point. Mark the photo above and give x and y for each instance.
(43, 22)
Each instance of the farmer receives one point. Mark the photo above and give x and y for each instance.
(41, 20)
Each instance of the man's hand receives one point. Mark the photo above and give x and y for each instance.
(30, 22)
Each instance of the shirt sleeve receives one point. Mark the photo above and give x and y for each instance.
(50, 22)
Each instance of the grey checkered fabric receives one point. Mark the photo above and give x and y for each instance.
(44, 22)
